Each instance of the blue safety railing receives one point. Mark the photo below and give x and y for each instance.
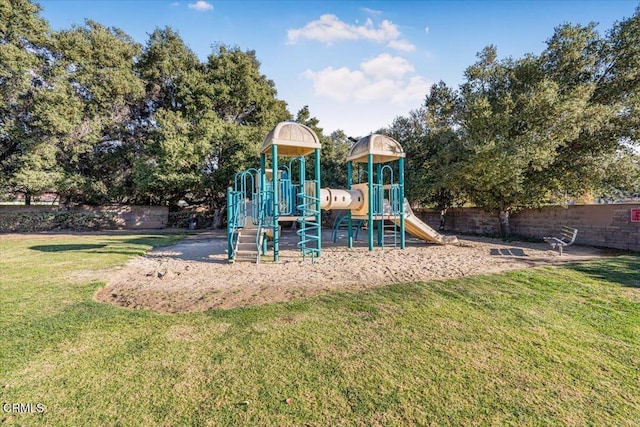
(294, 189)
(393, 193)
(387, 202)
(262, 221)
(267, 201)
(246, 181)
(245, 184)
(287, 204)
(236, 217)
(377, 204)
(395, 199)
(339, 222)
(288, 192)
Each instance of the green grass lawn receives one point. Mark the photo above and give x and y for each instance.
(536, 347)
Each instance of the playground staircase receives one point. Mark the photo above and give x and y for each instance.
(246, 249)
(249, 238)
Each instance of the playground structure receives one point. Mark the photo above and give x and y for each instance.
(290, 191)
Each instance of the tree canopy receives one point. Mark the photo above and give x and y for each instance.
(95, 117)
(541, 129)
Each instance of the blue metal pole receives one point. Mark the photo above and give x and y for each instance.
(263, 176)
(276, 204)
(349, 221)
(230, 227)
(262, 197)
(380, 197)
(319, 214)
(370, 191)
(302, 193)
(401, 173)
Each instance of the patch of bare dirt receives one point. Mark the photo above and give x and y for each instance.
(194, 275)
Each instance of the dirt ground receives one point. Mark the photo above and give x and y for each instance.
(194, 275)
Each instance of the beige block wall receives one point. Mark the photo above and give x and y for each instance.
(134, 216)
(598, 225)
(127, 217)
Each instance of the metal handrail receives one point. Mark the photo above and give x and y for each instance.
(235, 218)
(338, 222)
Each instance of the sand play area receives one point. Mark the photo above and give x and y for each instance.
(194, 275)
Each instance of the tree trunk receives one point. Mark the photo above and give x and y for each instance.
(505, 226)
(443, 212)
(27, 199)
(217, 218)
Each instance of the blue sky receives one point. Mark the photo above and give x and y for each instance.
(357, 65)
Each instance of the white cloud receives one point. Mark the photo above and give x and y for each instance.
(401, 45)
(385, 65)
(175, 4)
(201, 6)
(329, 28)
(371, 11)
(383, 78)
(386, 31)
(376, 90)
(337, 84)
(415, 90)
(426, 30)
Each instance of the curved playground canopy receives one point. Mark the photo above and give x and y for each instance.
(292, 139)
(384, 149)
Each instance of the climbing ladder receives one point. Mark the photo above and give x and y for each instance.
(389, 234)
(391, 210)
(309, 207)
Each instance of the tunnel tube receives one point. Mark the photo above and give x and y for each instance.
(331, 198)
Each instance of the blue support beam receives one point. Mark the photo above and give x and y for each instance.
(301, 201)
(380, 198)
(370, 195)
(230, 228)
(262, 197)
(401, 181)
(349, 220)
(319, 214)
(276, 238)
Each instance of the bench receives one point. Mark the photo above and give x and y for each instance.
(567, 237)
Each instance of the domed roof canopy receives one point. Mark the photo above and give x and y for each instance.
(384, 149)
(292, 139)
